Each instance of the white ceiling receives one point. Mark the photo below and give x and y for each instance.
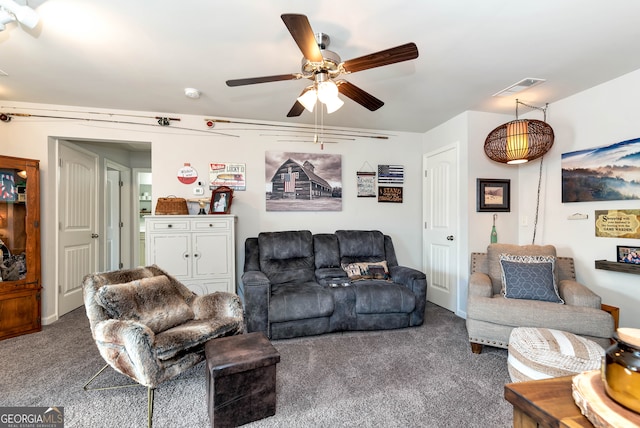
(141, 54)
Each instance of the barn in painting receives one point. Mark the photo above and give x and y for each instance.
(295, 181)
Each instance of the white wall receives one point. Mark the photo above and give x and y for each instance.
(34, 138)
(600, 116)
(470, 129)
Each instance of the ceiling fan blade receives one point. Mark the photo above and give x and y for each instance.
(358, 95)
(386, 57)
(298, 108)
(301, 31)
(264, 79)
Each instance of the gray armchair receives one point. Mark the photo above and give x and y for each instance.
(150, 327)
(491, 316)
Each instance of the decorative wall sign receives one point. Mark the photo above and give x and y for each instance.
(366, 184)
(618, 223)
(493, 195)
(187, 174)
(390, 194)
(303, 181)
(604, 173)
(390, 174)
(228, 174)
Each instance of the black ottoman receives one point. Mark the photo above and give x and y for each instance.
(241, 379)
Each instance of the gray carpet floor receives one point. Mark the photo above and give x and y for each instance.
(416, 377)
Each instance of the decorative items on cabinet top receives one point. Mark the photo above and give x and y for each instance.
(220, 203)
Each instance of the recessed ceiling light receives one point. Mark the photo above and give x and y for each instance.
(526, 83)
(192, 93)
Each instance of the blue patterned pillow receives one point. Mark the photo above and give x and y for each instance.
(529, 277)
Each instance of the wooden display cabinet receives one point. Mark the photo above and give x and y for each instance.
(20, 287)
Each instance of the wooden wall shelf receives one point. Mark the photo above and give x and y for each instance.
(618, 267)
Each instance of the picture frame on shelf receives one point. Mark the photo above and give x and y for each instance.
(493, 195)
(627, 254)
(221, 198)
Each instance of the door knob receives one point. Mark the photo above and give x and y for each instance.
(450, 238)
(95, 235)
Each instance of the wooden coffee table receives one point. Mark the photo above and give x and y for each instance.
(544, 403)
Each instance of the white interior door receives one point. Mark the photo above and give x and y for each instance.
(78, 228)
(441, 219)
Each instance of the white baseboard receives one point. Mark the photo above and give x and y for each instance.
(49, 320)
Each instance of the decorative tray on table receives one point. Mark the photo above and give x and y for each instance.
(595, 404)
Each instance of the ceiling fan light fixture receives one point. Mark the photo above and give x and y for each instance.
(333, 104)
(308, 99)
(27, 17)
(327, 91)
(22, 13)
(6, 17)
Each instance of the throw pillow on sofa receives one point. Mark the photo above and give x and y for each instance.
(529, 277)
(368, 270)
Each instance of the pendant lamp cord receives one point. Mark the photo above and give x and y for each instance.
(535, 222)
(542, 109)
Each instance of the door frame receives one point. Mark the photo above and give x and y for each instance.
(54, 155)
(126, 231)
(135, 213)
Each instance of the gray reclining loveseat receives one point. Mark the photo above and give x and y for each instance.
(294, 284)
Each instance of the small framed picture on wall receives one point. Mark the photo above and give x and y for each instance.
(493, 195)
(628, 255)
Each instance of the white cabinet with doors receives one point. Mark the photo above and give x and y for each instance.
(197, 250)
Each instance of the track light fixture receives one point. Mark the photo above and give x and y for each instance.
(520, 141)
(11, 11)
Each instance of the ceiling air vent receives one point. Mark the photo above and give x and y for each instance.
(524, 84)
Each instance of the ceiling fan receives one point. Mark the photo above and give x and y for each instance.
(323, 67)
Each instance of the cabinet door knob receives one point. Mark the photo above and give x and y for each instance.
(95, 235)
(450, 238)
(169, 226)
(196, 255)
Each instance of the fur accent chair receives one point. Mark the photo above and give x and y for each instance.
(150, 327)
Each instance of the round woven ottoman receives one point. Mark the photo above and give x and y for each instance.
(542, 353)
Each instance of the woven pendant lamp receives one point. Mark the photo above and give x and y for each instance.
(520, 140)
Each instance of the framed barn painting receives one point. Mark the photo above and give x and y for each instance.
(606, 173)
(303, 181)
